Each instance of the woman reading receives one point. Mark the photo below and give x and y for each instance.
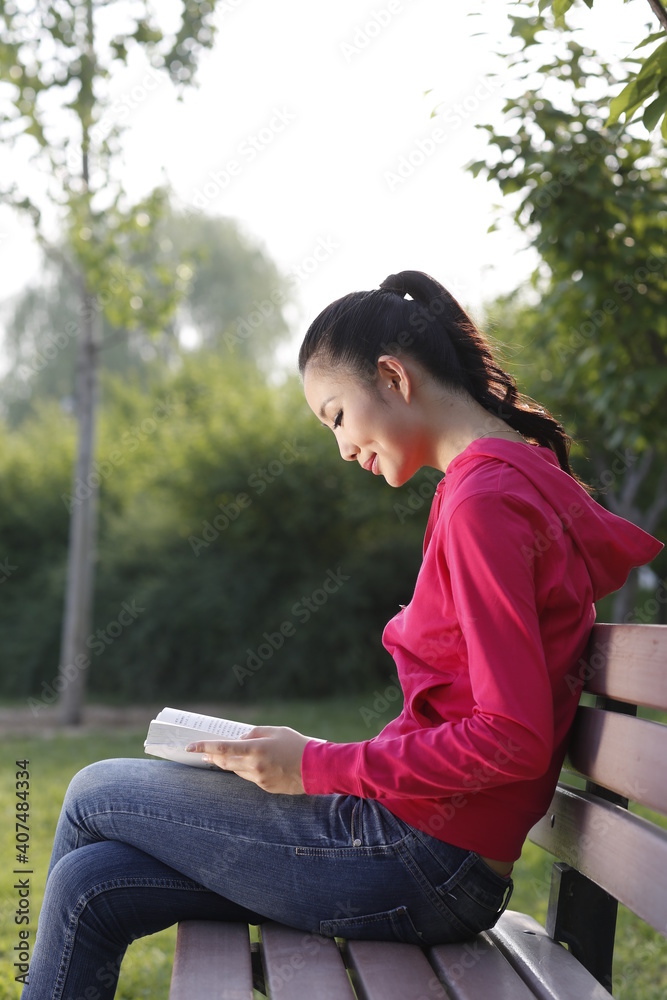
(411, 835)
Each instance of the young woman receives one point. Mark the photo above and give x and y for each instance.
(411, 835)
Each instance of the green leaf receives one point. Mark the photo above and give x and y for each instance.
(475, 167)
(630, 98)
(654, 68)
(561, 7)
(655, 110)
(655, 37)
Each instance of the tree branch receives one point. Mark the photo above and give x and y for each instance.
(658, 505)
(55, 253)
(634, 479)
(659, 11)
(113, 339)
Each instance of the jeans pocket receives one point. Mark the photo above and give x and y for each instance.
(389, 925)
(475, 894)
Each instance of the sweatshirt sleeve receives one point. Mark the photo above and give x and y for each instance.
(509, 734)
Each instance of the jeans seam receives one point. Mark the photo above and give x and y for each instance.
(155, 817)
(354, 822)
(420, 878)
(97, 890)
(425, 884)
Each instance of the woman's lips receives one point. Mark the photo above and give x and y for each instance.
(371, 465)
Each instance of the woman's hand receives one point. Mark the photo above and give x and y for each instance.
(268, 755)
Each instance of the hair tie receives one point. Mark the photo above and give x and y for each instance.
(394, 283)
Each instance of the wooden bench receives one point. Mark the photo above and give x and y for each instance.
(605, 854)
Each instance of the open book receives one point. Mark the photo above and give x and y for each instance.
(172, 730)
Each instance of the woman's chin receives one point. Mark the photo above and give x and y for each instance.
(400, 477)
(395, 479)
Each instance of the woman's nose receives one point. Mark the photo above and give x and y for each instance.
(348, 451)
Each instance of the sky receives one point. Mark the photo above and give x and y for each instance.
(337, 134)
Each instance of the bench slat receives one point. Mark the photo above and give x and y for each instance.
(477, 969)
(301, 966)
(382, 970)
(550, 970)
(211, 962)
(627, 662)
(619, 851)
(622, 753)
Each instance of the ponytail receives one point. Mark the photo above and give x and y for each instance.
(431, 327)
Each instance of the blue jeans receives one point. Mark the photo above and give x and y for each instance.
(141, 844)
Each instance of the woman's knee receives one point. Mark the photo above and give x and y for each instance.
(81, 891)
(73, 877)
(90, 780)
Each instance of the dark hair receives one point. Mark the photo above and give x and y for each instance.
(430, 326)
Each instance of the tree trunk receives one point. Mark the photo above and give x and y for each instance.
(625, 599)
(624, 503)
(74, 652)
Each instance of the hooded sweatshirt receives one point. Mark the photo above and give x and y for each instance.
(488, 651)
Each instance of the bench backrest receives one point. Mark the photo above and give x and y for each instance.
(623, 758)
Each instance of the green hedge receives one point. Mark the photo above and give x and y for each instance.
(238, 556)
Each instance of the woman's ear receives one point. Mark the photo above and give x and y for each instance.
(395, 376)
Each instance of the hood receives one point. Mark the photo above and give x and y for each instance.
(610, 545)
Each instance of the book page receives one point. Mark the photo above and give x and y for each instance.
(178, 755)
(172, 729)
(224, 729)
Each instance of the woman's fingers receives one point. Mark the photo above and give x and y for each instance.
(270, 756)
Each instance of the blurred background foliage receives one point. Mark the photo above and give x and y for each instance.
(226, 279)
(224, 505)
(224, 508)
(588, 332)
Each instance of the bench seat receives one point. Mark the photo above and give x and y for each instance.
(606, 855)
(517, 960)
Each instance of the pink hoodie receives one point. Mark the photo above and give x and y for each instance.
(487, 651)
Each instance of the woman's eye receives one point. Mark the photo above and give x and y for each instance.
(338, 420)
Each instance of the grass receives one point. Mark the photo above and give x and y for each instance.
(640, 968)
